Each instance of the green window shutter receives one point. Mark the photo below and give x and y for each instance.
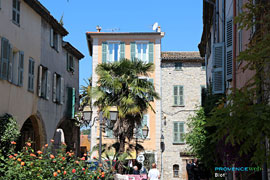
(71, 103)
(104, 52)
(151, 52)
(175, 95)
(181, 95)
(181, 132)
(132, 51)
(122, 50)
(229, 48)
(5, 58)
(175, 132)
(218, 68)
(31, 66)
(20, 68)
(10, 69)
(152, 81)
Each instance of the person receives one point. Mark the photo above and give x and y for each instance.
(195, 167)
(135, 170)
(189, 170)
(153, 174)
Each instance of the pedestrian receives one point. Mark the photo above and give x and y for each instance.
(153, 174)
(135, 170)
(189, 170)
(196, 170)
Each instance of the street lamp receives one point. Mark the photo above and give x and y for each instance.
(87, 118)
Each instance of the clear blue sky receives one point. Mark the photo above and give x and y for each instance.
(181, 20)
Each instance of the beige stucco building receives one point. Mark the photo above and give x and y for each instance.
(39, 72)
(183, 78)
(111, 46)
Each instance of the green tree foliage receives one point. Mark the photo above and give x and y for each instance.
(86, 93)
(119, 85)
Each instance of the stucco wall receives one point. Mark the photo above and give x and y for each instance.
(15, 100)
(191, 77)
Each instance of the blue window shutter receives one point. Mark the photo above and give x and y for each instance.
(5, 58)
(20, 68)
(122, 50)
(181, 132)
(73, 103)
(175, 132)
(48, 85)
(229, 48)
(10, 69)
(104, 52)
(218, 69)
(132, 51)
(151, 52)
(62, 90)
(181, 95)
(68, 65)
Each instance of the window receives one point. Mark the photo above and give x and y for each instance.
(16, 12)
(5, 58)
(44, 82)
(178, 132)
(31, 72)
(178, 95)
(178, 66)
(113, 51)
(144, 121)
(20, 69)
(58, 88)
(71, 102)
(142, 50)
(54, 40)
(70, 63)
(203, 65)
(175, 170)
(109, 133)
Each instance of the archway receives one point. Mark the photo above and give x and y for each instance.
(34, 131)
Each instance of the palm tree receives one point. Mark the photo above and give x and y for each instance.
(121, 84)
(85, 94)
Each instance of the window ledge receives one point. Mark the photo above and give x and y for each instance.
(174, 143)
(178, 105)
(14, 22)
(30, 90)
(178, 69)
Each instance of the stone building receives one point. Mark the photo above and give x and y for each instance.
(39, 73)
(105, 47)
(183, 78)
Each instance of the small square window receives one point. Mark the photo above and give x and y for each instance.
(178, 66)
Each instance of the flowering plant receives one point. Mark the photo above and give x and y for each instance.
(49, 163)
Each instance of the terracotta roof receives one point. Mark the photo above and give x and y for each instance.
(45, 14)
(72, 50)
(181, 55)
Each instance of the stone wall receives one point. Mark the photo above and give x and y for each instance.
(192, 77)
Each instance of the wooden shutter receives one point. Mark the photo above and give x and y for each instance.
(122, 50)
(20, 68)
(175, 132)
(218, 68)
(181, 132)
(229, 48)
(51, 37)
(5, 59)
(31, 66)
(48, 85)
(68, 65)
(54, 87)
(39, 80)
(10, 69)
(132, 51)
(151, 52)
(73, 103)
(181, 95)
(62, 91)
(104, 52)
(175, 95)
(152, 81)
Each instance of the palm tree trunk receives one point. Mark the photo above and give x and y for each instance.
(122, 143)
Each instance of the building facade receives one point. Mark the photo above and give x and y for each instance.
(182, 83)
(107, 47)
(35, 72)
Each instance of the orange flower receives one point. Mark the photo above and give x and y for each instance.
(15, 155)
(63, 158)
(52, 140)
(33, 155)
(77, 162)
(83, 158)
(52, 156)
(73, 170)
(102, 175)
(22, 163)
(46, 145)
(28, 144)
(10, 156)
(55, 174)
(14, 158)
(65, 172)
(58, 171)
(13, 142)
(39, 157)
(39, 152)
(19, 159)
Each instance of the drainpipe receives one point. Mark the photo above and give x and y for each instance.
(161, 119)
(234, 47)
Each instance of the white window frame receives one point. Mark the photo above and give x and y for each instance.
(108, 51)
(17, 12)
(147, 51)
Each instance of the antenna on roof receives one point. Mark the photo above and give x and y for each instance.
(155, 26)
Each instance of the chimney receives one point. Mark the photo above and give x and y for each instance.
(158, 29)
(98, 28)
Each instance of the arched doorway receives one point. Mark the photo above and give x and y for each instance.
(32, 130)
